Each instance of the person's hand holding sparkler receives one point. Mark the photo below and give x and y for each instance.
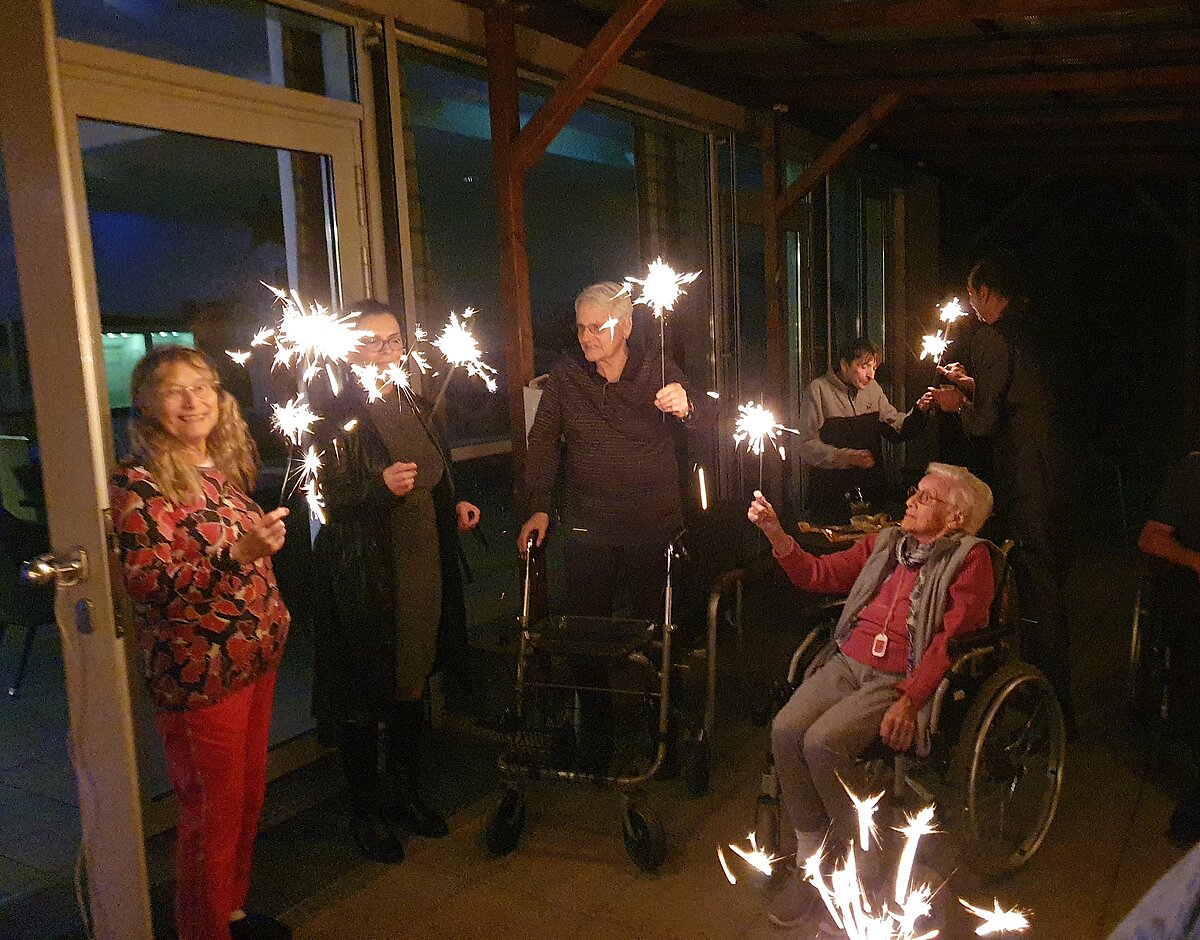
(535, 525)
(673, 400)
(468, 515)
(262, 540)
(400, 478)
(948, 398)
(899, 724)
(925, 402)
(763, 515)
(956, 374)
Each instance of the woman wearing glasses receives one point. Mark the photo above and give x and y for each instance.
(196, 552)
(393, 611)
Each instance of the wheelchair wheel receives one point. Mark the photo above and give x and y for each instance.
(645, 838)
(1006, 773)
(504, 826)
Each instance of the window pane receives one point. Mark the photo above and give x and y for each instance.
(244, 38)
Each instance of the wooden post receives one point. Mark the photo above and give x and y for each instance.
(501, 45)
(1191, 298)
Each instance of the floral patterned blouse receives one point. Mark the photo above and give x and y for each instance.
(208, 626)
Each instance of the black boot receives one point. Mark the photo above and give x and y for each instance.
(358, 746)
(402, 799)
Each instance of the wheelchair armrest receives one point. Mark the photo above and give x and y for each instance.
(977, 639)
(817, 637)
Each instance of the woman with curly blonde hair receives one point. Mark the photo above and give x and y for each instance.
(196, 553)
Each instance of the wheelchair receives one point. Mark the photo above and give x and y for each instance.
(994, 768)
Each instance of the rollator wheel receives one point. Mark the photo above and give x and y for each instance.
(503, 829)
(1006, 775)
(645, 838)
(697, 768)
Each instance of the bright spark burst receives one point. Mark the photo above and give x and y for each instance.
(755, 425)
(238, 356)
(934, 345)
(755, 857)
(851, 904)
(997, 920)
(316, 500)
(951, 311)
(459, 347)
(661, 287)
(919, 825)
(865, 808)
(611, 325)
(263, 336)
(703, 489)
(294, 419)
(310, 465)
(311, 335)
(371, 380)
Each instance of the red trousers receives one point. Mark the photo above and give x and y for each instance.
(217, 761)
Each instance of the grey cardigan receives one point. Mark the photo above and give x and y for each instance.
(927, 603)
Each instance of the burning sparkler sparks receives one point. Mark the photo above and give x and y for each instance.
(951, 311)
(756, 425)
(852, 906)
(294, 419)
(997, 920)
(263, 336)
(312, 336)
(238, 356)
(934, 345)
(661, 287)
(460, 348)
(865, 809)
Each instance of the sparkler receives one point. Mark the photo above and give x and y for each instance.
(756, 425)
(294, 419)
(660, 288)
(951, 311)
(459, 347)
(703, 489)
(849, 902)
(997, 920)
(238, 356)
(310, 335)
(865, 809)
(934, 345)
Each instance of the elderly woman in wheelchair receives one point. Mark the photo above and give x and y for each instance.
(909, 592)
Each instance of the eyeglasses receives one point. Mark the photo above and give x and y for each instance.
(203, 390)
(594, 329)
(924, 497)
(379, 343)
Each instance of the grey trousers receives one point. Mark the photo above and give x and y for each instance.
(831, 719)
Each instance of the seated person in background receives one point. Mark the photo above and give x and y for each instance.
(844, 416)
(1172, 533)
(910, 589)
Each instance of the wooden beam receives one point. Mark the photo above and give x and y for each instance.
(850, 138)
(1159, 46)
(1079, 81)
(1191, 301)
(589, 70)
(501, 47)
(836, 15)
(920, 124)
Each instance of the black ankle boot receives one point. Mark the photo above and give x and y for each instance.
(405, 806)
(402, 799)
(374, 835)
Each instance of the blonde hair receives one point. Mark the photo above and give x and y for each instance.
(968, 494)
(609, 295)
(229, 445)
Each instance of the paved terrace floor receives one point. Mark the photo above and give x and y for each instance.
(570, 876)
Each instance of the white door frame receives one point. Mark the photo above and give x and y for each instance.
(58, 297)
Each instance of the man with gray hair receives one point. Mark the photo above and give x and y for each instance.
(909, 589)
(609, 422)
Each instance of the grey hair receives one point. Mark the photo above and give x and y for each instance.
(611, 295)
(968, 494)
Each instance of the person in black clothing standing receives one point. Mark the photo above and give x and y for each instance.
(1172, 534)
(393, 611)
(601, 423)
(1008, 401)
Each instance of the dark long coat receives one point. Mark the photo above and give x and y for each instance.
(355, 626)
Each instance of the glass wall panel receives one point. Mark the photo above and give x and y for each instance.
(876, 230)
(244, 38)
(845, 267)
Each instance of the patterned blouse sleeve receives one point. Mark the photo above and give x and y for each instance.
(162, 560)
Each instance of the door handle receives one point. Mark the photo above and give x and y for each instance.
(64, 569)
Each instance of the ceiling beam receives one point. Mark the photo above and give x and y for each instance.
(849, 139)
(823, 17)
(914, 122)
(1145, 47)
(589, 70)
(1077, 81)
